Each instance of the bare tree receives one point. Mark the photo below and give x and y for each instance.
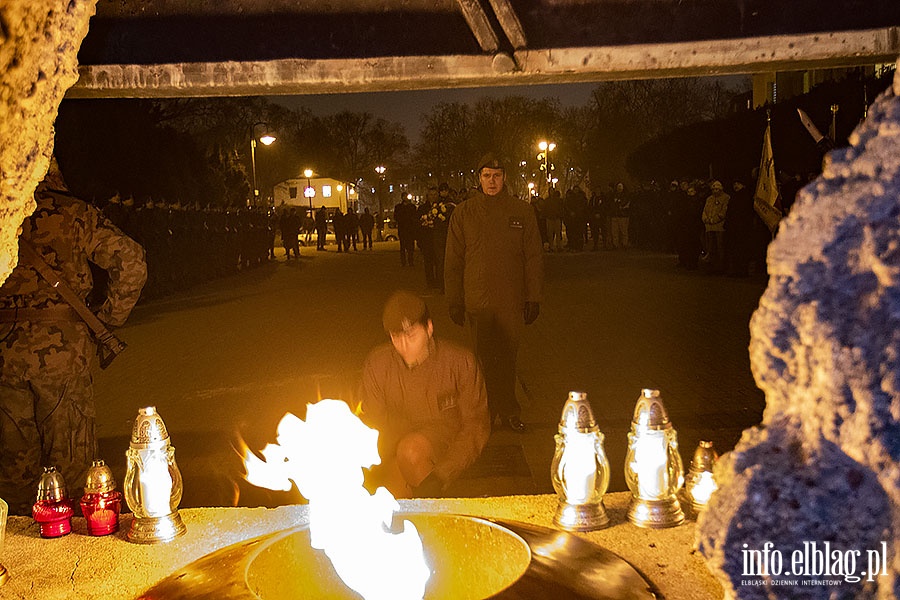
(628, 113)
(445, 152)
(512, 127)
(359, 142)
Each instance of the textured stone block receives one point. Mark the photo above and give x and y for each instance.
(825, 349)
(39, 42)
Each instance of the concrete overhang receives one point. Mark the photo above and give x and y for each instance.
(179, 48)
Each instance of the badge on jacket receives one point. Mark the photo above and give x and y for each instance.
(515, 223)
(446, 402)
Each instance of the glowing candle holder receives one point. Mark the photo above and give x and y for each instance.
(700, 482)
(580, 469)
(53, 510)
(653, 468)
(153, 485)
(101, 502)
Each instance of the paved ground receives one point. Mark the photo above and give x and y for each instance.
(223, 362)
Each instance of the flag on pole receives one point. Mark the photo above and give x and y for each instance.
(765, 199)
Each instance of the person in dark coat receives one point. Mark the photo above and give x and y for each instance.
(689, 226)
(366, 224)
(553, 211)
(575, 207)
(620, 221)
(739, 218)
(351, 227)
(337, 222)
(290, 233)
(321, 228)
(494, 275)
(596, 217)
(407, 225)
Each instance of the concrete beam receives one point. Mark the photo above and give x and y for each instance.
(715, 57)
(563, 65)
(510, 23)
(479, 24)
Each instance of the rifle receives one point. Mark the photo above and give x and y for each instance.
(109, 345)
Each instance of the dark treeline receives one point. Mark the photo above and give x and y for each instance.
(730, 147)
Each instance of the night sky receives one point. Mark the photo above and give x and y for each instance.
(407, 107)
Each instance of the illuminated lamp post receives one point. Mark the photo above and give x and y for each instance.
(544, 156)
(266, 138)
(380, 169)
(310, 191)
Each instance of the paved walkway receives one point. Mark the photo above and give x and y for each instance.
(223, 362)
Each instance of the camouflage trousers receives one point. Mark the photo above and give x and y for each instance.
(47, 415)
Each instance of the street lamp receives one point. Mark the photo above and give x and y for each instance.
(310, 191)
(266, 138)
(380, 169)
(544, 155)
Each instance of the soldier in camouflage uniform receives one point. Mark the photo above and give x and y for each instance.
(47, 411)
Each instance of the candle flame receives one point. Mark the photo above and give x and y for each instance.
(156, 483)
(325, 456)
(579, 467)
(651, 464)
(703, 488)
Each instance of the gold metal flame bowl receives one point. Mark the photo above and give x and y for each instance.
(471, 558)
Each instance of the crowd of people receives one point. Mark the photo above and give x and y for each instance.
(703, 222)
(709, 224)
(187, 245)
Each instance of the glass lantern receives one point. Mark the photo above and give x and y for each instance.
(153, 484)
(580, 469)
(653, 468)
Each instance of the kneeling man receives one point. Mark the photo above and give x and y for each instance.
(427, 399)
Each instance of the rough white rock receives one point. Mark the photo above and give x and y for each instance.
(39, 42)
(825, 348)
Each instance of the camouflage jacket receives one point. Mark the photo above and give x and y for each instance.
(68, 234)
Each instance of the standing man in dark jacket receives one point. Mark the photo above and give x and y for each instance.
(340, 234)
(407, 225)
(366, 224)
(739, 220)
(620, 211)
(351, 226)
(290, 233)
(493, 275)
(47, 414)
(321, 228)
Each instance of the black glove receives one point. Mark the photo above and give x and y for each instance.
(458, 314)
(431, 487)
(532, 310)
